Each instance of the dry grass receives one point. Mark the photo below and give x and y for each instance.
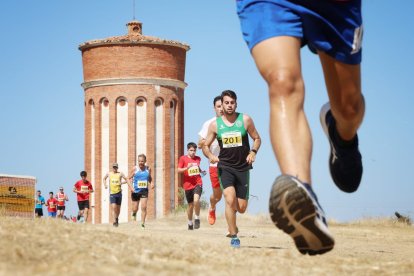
(166, 247)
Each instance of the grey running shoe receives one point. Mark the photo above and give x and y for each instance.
(294, 209)
(196, 223)
(345, 163)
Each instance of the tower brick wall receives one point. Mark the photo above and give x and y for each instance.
(128, 70)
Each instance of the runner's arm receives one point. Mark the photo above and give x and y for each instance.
(104, 180)
(254, 134)
(211, 135)
(150, 178)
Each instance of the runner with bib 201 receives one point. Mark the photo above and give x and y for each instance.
(232, 131)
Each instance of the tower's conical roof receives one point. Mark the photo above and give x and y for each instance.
(134, 36)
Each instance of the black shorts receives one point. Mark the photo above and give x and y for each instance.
(239, 180)
(83, 204)
(189, 194)
(139, 195)
(39, 212)
(61, 208)
(116, 198)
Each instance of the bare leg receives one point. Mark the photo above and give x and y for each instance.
(231, 208)
(343, 82)
(190, 211)
(144, 210)
(196, 205)
(278, 60)
(215, 197)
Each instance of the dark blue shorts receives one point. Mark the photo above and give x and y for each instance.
(333, 27)
(116, 198)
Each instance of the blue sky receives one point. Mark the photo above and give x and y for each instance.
(41, 113)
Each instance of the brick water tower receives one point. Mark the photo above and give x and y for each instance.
(134, 103)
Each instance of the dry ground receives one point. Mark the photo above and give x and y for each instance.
(166, 247)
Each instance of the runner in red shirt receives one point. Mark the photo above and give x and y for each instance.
(189, 165)
(61, 198)
(51, 204)
(83, 188)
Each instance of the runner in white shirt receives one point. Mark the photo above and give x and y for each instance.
(215, 149)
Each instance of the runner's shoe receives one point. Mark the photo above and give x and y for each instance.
(196, 223)
(345, 162)
(142, 226)
(115, 224)
(134, 217)
(294, 209)
(190, 227)
(235, 242)
(212, 216)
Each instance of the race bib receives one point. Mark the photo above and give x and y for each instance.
(232, 139)
(194, 170)
(51, 205)
(142, 184)
(84, 188)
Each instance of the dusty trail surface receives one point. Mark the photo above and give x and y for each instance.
(166, 247)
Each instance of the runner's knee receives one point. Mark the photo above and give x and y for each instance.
(284, 83)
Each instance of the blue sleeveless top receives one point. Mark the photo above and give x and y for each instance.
(141, 178)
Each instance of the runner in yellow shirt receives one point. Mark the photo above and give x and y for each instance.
(115, 191)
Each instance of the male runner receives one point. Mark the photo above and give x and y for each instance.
(232, 131)
(275, 30)
(115, 191)
(141, 179)
(61, 197)
(40, 201)
(189, 165)
(215, 149)
(51, 204)
(83, 188)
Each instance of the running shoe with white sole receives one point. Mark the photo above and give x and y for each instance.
(294, 209)
(345, 163)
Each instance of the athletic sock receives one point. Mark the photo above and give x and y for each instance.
(190, 222)
(197, 217)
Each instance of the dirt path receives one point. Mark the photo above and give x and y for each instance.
(166, 247)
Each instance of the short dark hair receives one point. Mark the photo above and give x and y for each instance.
(191, 145)
(229, 93)
(38, 191)
(50, 193)
(217, 98)
(83, 173)
(143, 156)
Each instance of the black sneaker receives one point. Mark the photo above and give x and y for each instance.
(196, 223)
(115, 224)
(190, 227)
(345, 163)
(294, 209)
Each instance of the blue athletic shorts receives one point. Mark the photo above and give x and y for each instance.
(333, 27)
(51, 214)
